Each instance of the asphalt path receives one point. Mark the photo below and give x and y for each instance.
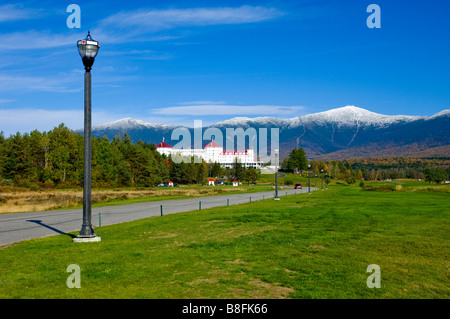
(24, 226)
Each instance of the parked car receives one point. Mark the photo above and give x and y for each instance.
(299, 186)
(159, 185)
(176, 185)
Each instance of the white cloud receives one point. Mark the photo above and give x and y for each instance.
(10, 12)
(33, 39)
(26, 120)
(156, 20)
(29, 83)
(202, 103)
(216, 109)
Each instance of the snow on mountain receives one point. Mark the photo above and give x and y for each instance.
(344, 116)
(353, 131)
(246, 121)
(442, 113)
(129, 123)
(351, 115)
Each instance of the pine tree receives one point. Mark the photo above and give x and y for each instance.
(2, 154)
(250, 175)
(202, 174)
(297, 160)
(237, 170)
(216, 170)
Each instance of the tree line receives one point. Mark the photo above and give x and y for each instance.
(434, 170)
(55, 159)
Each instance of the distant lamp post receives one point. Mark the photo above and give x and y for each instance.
(322, 177)
(309, 179)
(326, 180)
(88, 49)
(276, 152)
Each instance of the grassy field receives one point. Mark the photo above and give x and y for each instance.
(303, 246)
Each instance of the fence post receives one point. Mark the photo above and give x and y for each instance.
(200, 205)
(228, 202)
(99, 219)
(250, 199)
(161, 211)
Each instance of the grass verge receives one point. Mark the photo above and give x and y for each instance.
(18, 201)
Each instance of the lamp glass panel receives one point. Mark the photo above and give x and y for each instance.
(91, 50)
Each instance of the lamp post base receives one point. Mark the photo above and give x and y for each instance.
(276, 198)
(87, 239)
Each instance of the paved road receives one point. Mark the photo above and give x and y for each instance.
(23, 226)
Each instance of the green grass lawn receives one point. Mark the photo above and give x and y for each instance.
(303, 246)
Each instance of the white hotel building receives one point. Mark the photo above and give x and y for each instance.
(213, 152)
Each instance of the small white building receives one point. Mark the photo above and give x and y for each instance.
(235, 183)
(211, 182)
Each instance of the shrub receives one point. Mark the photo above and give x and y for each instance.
(381, 188)
(49, 184)
(6, 182)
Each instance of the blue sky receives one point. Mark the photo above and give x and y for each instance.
(175, 61)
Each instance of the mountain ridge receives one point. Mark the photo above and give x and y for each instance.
(347, 131)
(122, 123)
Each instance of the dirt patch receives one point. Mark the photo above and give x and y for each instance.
(211, 222)
(318, 246)
(202, 281)
(289, 271)
(263, 290)
(237, 261)
(160, 236)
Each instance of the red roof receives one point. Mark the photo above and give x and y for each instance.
(164, 144)
(211, 179)
(212, 144)
(234, 153)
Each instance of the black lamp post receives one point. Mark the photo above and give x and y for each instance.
(88, 49)
(322, 177)
(309, 179)
(276, 152)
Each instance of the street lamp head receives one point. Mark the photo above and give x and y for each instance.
(88, 49)
(321, 170)
(309, 165)
(276, 152)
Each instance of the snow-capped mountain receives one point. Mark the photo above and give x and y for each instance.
(352, 115)
(343, 132)
(344, 116)
(129, 123)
